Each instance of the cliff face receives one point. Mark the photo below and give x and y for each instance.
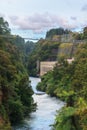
(51, 50)
(67, 50)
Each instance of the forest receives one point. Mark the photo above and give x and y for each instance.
(16, 100)
(68, 82)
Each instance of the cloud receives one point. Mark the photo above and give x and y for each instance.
(73, 18)
(2, 15)
(84, 8)
(39, 22)
(84, 24)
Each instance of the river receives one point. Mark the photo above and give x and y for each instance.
(44, 116)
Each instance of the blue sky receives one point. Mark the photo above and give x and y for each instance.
(32, 18)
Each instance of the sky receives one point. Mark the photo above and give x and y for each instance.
(33, 18)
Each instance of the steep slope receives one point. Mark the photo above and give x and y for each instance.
(15, 91)
(45, 50)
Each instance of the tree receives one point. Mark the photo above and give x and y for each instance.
(85, 32)
(4, 27)
(16, 99)
(57, 31)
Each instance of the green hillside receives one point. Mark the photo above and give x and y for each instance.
(15, 92)
(45, 50)
(69, 83)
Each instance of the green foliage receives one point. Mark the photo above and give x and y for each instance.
(52, 50)
(44, 50)
(64, 120)
(4, 27)
(29, 47)
(66, 81)
(6, 126)
(4, 122)
(69, 83)
(82, 35)
(15, 92)
(3, 112)
(15, 111)
(58, 31)
(78, 36)
(25, 92)
(65, 50)
(85, 32)
(14, 82)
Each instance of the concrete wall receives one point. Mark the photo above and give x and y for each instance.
(46, 66)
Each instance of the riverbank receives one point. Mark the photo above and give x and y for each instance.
(44, 116)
